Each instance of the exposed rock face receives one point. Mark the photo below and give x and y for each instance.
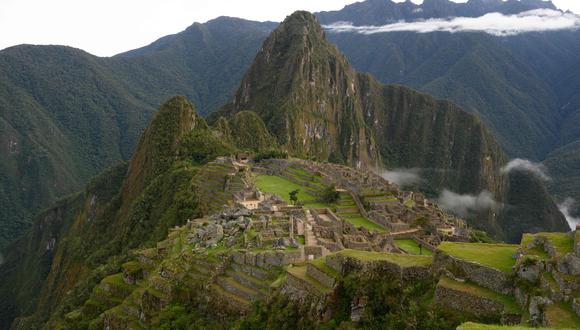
(317, 105)
(307, 94)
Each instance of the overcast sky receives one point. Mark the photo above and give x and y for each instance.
(108, 27)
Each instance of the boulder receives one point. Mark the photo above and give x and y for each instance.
(570, 264)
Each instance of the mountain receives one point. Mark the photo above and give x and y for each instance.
(318, 106)
(71, 244)
(522, 86)
(66, 115)
(380, 12)
(69, 261)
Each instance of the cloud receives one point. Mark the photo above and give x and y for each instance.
(525, 165)
(466, 205)
(402, 176)
(493, 23)
(566, 209)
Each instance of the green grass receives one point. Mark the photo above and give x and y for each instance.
(359, 221)
(478, 326)
(301, 239)
(320, 263)
(509, 302)
(411, 247)
(399, 259)
(561, 241)
(562, 316)
(282, 187)
(498, 256)
(300, 272)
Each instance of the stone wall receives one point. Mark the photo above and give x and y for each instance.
(269, 259)
(344, 265)
(487, 277)
(424, 244)
(462, 301)
(325, 279)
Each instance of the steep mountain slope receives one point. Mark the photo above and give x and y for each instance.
(84, 237)
(305, 91)
(55, 268)
(65, 115)
(522, 86)
(318, 106)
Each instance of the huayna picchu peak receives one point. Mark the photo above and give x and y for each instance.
(273, 213)
(318, 106)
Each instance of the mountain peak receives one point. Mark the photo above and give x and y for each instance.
(159, 143)
(304, 88)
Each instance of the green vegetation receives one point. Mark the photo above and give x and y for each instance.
(400, 259)
(359, 221)
(508, 301)
(300, 272)
(320, 263)
(270, 154)
(283, 187)
(293, 196)
(477, 326)
(562, 242)
(330, 195)
(410, 246)
(562, 316)
(62, 141)
(498, 256)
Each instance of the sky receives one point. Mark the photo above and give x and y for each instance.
(109, 27)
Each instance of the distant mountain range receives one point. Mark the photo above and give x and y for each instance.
(379, 12)
(65, 115)
(301, 96)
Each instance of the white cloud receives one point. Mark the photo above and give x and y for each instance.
(566, 209)
(402, 176)
(494, 23)
(466, 205)
(525, 165)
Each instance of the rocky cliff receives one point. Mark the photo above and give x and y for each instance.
(318, 106)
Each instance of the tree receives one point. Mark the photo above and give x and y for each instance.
(330, 195)
(294, 196)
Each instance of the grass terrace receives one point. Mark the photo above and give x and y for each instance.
(478, 326)
(282, 187)
(320, 263)
(562, 316)
(359, 221)
(300, 273)
(411, 247)
(563, 242)
(508, 301)
(498, 256)
(399, 259)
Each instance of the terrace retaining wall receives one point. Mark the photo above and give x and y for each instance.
(487, 277)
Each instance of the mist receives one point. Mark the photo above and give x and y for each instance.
(537, 169)
(402, 176)
(466, 205)
(566, 209)
(496, 24)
